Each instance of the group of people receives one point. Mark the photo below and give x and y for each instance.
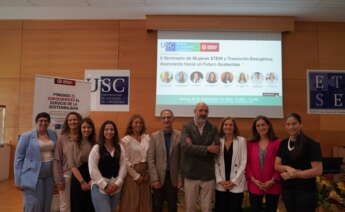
(139, 172)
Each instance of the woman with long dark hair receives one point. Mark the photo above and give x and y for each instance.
(230, 166)
(33, 165)
(299, 161)
(107, 168)
(78, 161)
(262, 179)
(62, 171)
(136, 191)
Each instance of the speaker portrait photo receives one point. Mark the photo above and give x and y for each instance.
(166, 77)
(242, 78)
(211, 77)
(227, 77)
(196, 77)
(257, 77)
(271, 77)
(181, 77)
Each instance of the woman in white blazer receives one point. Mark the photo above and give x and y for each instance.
(230, 167)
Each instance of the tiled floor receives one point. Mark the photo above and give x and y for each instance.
(11, 199)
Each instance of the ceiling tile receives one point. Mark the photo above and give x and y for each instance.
(316, 10)
(14, 3)
(59, 3)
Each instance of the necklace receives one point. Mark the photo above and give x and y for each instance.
(290, 147)
(263, 144)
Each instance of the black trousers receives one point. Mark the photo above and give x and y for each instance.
(256, 204)
(228, 201)
(168, 193)
(81, 200)
(300, 201)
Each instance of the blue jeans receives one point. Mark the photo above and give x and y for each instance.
(40, 199)
(103, 202)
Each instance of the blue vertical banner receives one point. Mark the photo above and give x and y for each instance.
(109, 89)
(326, 91)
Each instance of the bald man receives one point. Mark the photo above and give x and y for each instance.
(200, 145)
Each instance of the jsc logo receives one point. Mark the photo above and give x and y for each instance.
(169, 46)
(112, 89)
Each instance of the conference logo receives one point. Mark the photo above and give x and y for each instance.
(190, 46)
(169, 46)
(209, 47)
(64, 82)
(112, 89)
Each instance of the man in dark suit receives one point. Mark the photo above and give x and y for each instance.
(163, 159)
(200, 145)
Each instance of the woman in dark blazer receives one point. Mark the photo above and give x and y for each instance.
(33, 165)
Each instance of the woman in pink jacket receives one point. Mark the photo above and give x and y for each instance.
(262, 179)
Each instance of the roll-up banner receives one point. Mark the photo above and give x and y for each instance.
(59, 96)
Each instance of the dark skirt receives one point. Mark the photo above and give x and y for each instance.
(81, 200)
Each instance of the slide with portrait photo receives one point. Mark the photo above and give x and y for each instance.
(226, 70)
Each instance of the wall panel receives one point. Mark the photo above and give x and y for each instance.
(331, 46)
(137, 53)
(219, 22)
(64, 49)
(10, 71)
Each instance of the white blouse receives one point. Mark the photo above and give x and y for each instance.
(136, 152)
(96, 175)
